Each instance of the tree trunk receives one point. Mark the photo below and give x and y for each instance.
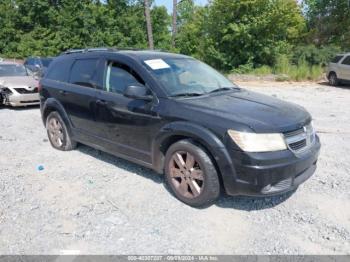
(174, 23)
(149, 25)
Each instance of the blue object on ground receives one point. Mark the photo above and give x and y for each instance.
(40, 167)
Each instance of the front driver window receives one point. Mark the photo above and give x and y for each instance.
(119, 77)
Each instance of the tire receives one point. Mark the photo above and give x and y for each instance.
(333, 79)
(196, 181)
(57, 133)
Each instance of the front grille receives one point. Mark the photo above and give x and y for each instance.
(300, 139)
(298, 145)
(294, 132)
(26, 91)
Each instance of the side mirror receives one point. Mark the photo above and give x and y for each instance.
(35, 68)
(37, 74)
(138, 92)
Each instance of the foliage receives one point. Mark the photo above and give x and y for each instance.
(298, 72)
(285, 70)
(190, 37)
(328, 22)
(43, 27)
(252, 31)
(314, 55)
(247, 36)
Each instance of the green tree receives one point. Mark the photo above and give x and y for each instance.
(9, 34)
(192, 32)
(161, 22)
(328, 21)
(251, 31)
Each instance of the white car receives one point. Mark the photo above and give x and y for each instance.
(17, 86)
(339, 69)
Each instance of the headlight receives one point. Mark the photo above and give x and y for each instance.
(253, 142)
(5, 90)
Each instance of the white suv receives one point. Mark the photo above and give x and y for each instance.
(339, 69)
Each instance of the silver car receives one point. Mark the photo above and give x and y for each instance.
(17, 86)
(338, 71)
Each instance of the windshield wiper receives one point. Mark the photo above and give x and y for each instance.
(186, 94)
(221, 89)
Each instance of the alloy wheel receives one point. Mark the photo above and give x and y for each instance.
(56, 132)
(186, 174)
(332, 80)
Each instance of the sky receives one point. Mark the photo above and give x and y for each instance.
(169, 3)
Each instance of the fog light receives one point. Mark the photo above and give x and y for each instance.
(266, 189)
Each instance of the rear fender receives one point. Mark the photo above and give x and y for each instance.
(52, 104)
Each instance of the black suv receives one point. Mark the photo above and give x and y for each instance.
(180, 117)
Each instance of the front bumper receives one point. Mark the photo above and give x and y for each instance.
(271, 173)
(16, 99)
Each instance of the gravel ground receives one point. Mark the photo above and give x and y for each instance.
(89, 202)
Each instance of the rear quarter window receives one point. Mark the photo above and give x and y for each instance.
(83, 71)
(336, 59)
(59, 70)
(346, 61)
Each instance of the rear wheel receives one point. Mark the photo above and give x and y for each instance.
(191, 174)
(58, 133)
(333, 79)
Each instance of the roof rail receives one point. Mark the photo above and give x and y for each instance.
(103, 49)
(85, 50)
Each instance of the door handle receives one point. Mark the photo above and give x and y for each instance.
(62, 92)
(101, 102)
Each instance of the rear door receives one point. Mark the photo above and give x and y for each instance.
(127, 124)
(79, 94)
(344, 68)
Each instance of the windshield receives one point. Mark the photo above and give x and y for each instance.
(181, 76)
(12, 70)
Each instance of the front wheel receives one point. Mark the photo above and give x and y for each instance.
(191, 174)
(58, 133)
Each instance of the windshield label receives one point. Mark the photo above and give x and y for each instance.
(156, 64)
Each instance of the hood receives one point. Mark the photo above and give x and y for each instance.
(244, 108)
(18, 81)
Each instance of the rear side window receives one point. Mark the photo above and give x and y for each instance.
(346, 61)
(83, 71)
(336, 59)
(59, 70)
(119, 77)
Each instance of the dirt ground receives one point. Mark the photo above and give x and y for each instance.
(89, 202)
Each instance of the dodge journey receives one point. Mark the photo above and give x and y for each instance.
(181, 118)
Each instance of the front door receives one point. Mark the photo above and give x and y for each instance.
(126, 123)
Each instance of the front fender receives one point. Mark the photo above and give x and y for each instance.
(202, 135)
